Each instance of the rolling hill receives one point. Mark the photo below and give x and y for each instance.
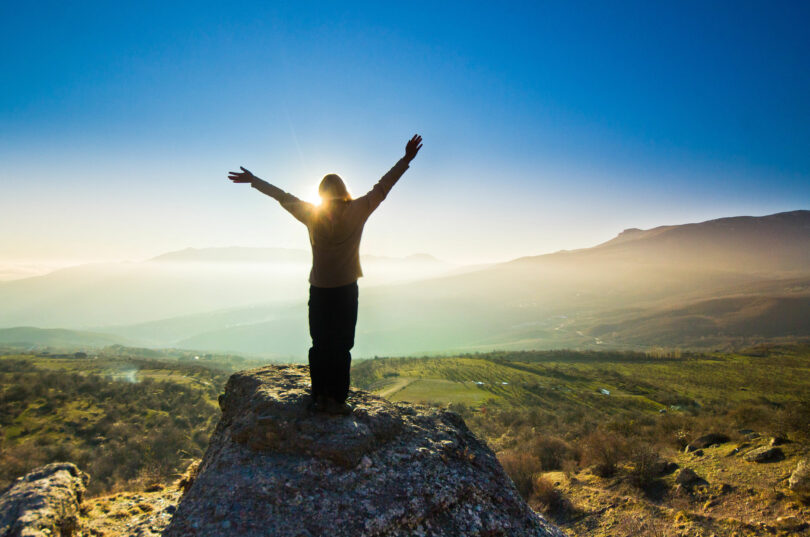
(723, 282)
(717, 283)
(26, 336)
(186, 282)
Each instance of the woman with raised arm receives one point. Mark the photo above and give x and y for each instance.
(335, 227)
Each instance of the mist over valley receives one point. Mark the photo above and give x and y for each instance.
(719, 283)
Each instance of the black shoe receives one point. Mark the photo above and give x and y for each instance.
(317, 404)
(338, 409)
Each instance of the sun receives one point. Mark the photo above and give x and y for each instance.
(311, 195)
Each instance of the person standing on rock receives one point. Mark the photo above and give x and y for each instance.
(335, 227)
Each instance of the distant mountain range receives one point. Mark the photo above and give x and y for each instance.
(779, 243)
(27, 336)
(731, 281)
(185, 282)
(239, 254)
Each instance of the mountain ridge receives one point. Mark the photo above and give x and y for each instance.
(249, 254)
(552, 300)
(722, 243)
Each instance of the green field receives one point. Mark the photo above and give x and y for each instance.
(429, 390)
(568, 380)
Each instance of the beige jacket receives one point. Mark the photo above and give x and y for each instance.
(335, 241)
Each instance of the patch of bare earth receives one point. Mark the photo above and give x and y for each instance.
(135, 514)
(734, 498)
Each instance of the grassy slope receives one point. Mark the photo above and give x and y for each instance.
(557, 394)
(570, 379)
(86, 411)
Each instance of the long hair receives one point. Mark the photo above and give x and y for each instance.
(334, 199)
(332, 187)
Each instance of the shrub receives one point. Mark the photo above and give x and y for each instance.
(522, 468)
(552, 452)
(547, 498)
(645, 465)
(570, 466)
(603, 450)
(793, 420)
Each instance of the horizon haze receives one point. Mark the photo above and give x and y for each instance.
(714, 284)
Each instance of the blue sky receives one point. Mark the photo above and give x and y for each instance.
(546, 125)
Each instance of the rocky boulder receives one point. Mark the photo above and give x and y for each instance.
(44, 502)
(707, 440)
(799, 481)
(387, 470)
(765, 454)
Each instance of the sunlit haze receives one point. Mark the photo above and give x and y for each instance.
(546, 126)
(568, 292)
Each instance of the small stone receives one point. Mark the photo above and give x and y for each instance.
(791, 523)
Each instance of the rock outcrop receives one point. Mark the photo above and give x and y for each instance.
(799, 481)
(273, 468)
(44, 502)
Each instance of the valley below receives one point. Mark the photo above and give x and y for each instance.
(715, 285)
(657, 384)
(600, 442)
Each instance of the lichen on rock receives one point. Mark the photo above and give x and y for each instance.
(389, 469)
(44, 502)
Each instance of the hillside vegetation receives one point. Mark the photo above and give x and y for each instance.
(563, 382)
(127, 421)
(600, 441)
(597, 440)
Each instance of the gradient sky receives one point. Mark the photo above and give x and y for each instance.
(546, 125)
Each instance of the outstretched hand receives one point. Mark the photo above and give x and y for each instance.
(241, 177)
(412, 147)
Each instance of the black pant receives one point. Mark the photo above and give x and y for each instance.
(332, 318)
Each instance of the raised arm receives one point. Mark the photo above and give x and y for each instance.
(377, 194)
(301, 210)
